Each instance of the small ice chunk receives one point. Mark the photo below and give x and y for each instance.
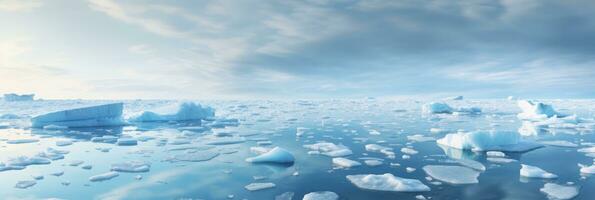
(63, 143)
(495, 154)
(126, 142)
(285, 196)
(87, 167)
(437, 108)
(587, 150)
(535, 172)
(587, 169)
(455, 98)
(373, 162)
(93, 116)
(58, 173)
(380, 149)
(186, 111)
(299, 131)
(410, 169)
(132, 166)
(259, 150)
(345, 163)
(75, 163)
(409, 151)
(276, 155)
(25, 184)
(330, 149)
(103, 177)
(452, 174)
(387, 182)
(321, 195)
(420, 138)
(500, 160)
(259, 186)
(555, 191)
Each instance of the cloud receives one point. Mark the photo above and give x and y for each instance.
(19, 5)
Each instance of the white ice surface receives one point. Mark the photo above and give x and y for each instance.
(558, 192)
(275, 155)
(452, 174)
(321, 195)
(535, 172)
(259, 186)
(93, 116)
(103, 177)
(330, 149)
(345, 163)
(488, 141)
(180, 112)
(387, 182)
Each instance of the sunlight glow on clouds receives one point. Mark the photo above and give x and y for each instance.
(301, 49)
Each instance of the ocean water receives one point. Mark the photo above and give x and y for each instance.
(346, 122)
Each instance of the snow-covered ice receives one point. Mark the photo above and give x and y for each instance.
(558, 192)
(321, 195)
(330, 149)
(536, 110)
(387, 182)
(131, 166)
(345, 163)
(488, 141)
(259, 186)
(93, 116)
(535, 172)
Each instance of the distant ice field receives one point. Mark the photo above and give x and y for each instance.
(354, 149)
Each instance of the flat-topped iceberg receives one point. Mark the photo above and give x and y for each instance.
(275, 155)
(321, 195)
(488, 141)
(93, 116)
(536, 110)
(555, 191)
(187, 111)
(387, 182)
(16, 97)
(345, 163)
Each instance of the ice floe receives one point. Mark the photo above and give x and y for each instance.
(329, 149)
(131, 166)
(488, 141)
(103, 177)
(345, 163)
(387, 182)
(25, 184)
(321, 195)
(185, 111)
(93, 116)
(585, 169)
(259, 186)
(420, 138)
(275, 155)
(558, 192)
(437, 108)
(535, 172)
(452, 174)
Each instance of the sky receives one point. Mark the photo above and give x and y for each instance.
(269, 49)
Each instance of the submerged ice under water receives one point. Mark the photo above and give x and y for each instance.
(345, 149)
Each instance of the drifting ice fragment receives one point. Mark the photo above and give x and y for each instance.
(259, 186)
(126, 142)
(584, 169)
(102, 115)
(436, 108)
(322, 195)
(22, 141)
(555, 191)
(103, 177)
(420, 138)
(559, 143)
(330, 149)
(276, 155)
(373, 162)
(345, 163)
(488, 141)
(185, 112)
(535, 172)
(387, 182)
(25, 184)
(452, 174)
(132, 166)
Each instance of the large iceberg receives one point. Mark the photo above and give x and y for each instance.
(488, 141)
(186, 111)
(101, 115)
(16, 97)
(536, 110)
(387, 182)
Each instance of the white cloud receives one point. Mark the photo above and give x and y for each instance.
(19, 5)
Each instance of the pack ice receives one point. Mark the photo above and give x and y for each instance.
(185, 111)
(443, 108)
(488, 141)
(93, 116)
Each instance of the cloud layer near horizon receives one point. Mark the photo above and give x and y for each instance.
(301, 49)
